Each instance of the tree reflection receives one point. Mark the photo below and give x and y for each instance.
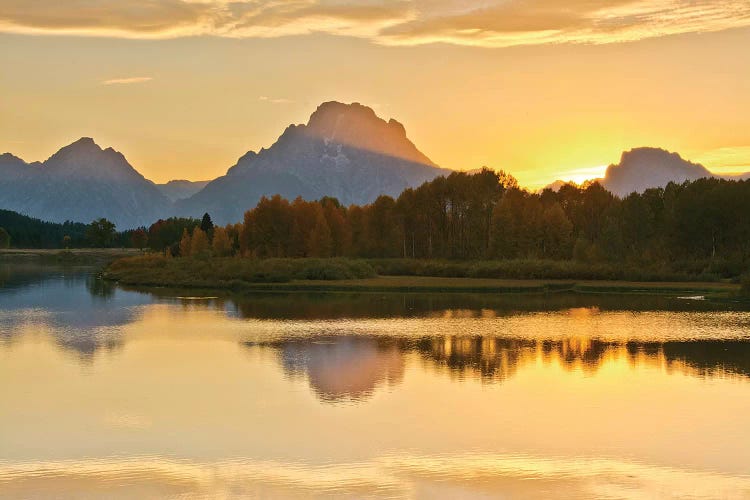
(353, 368)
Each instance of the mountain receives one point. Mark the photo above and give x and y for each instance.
(345, 151)
(180, 189)
(81, 182)
(643, 168)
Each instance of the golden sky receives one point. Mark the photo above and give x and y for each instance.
(544, 89)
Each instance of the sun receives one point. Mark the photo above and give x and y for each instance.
(581, 175)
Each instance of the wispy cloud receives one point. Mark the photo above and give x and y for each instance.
(490, 23)
(726, 160)
(127, 81)
(274, 100)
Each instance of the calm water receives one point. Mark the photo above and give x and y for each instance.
(114, 393)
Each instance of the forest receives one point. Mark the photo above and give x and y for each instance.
(20, 231)
(697, 227)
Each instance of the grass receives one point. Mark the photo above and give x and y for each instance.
(76, 256)
(231, 272)
(237, 274)
(526, 269)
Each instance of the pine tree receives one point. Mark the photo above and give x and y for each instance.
(207, 226)
(4, 238)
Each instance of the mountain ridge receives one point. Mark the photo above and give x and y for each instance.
(81, 182)
(344, 150)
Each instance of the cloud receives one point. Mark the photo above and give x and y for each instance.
(489, 23)
(274, 100)
(726, 160)
(126, 81)
(126, 18)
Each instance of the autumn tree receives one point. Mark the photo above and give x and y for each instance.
(199, 245)
(221, 245)
(185, 243)
(268, 228)
(139, 238)
(319, 241)
(335, 215)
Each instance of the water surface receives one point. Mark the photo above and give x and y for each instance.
(133, 394)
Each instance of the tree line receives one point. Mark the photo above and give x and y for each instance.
(463, 217)
(20, 231)
(485, 216)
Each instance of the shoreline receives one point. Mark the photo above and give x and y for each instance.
(73, 256)
(351, 275)
(421, 284)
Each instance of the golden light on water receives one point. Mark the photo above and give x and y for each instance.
(177, 396)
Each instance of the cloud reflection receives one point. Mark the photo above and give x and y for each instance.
(386, 476)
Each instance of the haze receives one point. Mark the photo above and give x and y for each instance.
(542, 91)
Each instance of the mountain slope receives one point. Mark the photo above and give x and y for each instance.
(81, 182)
(345, 151)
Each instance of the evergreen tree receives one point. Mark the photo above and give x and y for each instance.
(4, 238)
(207, 226)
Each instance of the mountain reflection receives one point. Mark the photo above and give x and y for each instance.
(348, 368)
(84, 314)
(353, 368)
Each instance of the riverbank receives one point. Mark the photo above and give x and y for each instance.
(344, 275)
(75, 256)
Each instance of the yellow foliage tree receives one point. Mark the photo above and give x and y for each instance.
(319, 241)
(185, 244)
(221, 245)
(199, 245)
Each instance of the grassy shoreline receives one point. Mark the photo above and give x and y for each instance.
(341, 275)
(75, 256)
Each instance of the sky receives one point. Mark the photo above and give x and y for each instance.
(543, 89)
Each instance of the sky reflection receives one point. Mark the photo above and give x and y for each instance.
(418, 397)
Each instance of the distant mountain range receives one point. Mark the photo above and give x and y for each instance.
(79, 183)
(643, 168)
(345, 151)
